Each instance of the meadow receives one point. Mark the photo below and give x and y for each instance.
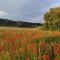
(29, 44)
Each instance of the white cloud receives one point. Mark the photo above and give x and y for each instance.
(2, 13)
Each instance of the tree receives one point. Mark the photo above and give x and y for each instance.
(52, 18)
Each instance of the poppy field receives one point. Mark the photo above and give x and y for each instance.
(26, 44)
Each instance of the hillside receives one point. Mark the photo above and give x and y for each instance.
(6, 22)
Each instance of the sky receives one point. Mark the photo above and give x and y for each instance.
(26, 10)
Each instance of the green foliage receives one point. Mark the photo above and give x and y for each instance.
(52, 19)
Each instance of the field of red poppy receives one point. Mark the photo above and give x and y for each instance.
(29, 44)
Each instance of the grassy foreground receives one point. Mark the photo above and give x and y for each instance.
(29, 44)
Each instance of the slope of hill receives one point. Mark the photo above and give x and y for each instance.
(6, 22)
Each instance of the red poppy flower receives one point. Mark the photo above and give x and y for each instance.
(56, 58)
(27, 58)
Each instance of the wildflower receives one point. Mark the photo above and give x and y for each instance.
(55, 51)
(47, 57)
(27, 58)
(56, 58)
(35, 51)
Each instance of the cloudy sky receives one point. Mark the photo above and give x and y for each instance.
(26, 10)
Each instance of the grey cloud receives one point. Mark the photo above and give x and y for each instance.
(27, 10)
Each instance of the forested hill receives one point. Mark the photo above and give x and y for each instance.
(6, 22)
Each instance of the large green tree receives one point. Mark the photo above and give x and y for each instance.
(52, 18)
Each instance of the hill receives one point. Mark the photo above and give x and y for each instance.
(6, 22)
